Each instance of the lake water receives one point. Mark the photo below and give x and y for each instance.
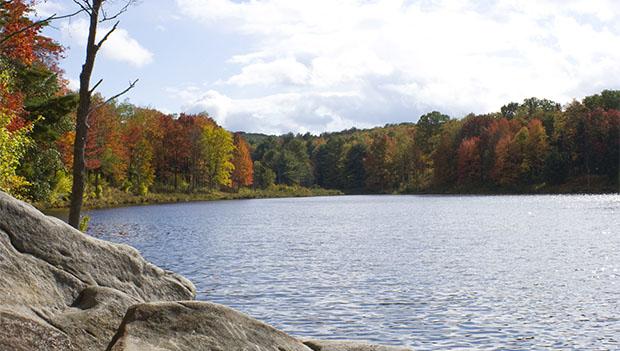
(430, 272)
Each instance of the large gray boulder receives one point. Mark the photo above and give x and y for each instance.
(198, 326)
(63, 290)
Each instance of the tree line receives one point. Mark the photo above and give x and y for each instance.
(530, 146)
(139, 149)
(130, 148)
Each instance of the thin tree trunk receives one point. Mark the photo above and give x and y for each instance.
(81, 128)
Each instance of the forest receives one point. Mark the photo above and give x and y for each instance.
(528, 147)
(534, 146)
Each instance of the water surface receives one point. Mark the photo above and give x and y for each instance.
(431, 272)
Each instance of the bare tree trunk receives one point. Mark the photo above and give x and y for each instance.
(81, 128)
(92, 8)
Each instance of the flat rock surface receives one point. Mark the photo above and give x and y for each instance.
(193, 325)
(19, 333)
(325, 345)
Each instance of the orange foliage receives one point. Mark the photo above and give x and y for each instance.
(243, 174)
(105, 150)
(469, 162)
(23, 47)
(28, 45)
(65, 147)
(13, 104)
(506, 169)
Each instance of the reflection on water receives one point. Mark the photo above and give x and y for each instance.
(431, 272)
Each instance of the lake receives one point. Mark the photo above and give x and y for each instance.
(430, 272)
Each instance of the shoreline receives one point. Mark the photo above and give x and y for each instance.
(178, 197)
(113, 198)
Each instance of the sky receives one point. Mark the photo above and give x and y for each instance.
(278, 66)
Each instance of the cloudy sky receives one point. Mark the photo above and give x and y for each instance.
(276, 66)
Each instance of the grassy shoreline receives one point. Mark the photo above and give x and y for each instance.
(116, 198)
(112, 197)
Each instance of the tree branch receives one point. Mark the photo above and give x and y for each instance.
(88, 9)
(37, 23)
(54, 17)
(131, 86)
(105, 37)
(95, 86)
(120, 12)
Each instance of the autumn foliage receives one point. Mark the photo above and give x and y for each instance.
(243, 173)
(26, 44)
(136, 149)
(526, 147)
(141, 150)
(130, 148)
(33, 98)
(23, 46)
(469, 161)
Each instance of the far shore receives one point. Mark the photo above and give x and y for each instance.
(112, 198)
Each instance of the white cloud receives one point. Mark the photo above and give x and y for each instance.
(403, 58)
(120, 46)
(74, 84)
(274, 113)
(280, 71)
(48, 8)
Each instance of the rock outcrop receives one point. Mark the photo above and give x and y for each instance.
(68, 290)
(199, 326)
(63, 290)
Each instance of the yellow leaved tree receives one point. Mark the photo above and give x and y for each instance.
(13, 145)
(217, 149)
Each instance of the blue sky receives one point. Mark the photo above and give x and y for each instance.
(276, 66)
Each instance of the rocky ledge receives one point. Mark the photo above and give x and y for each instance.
(63, 290)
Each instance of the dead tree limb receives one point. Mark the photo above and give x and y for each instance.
(94, 9)
(38, 23)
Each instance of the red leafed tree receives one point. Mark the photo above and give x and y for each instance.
(499, 128)
(537, 149)
(163, 153)
(12, 102)
(23, 41)
(507, 160)
(469, 161)
(177, 154)
(243, 174)
(22, 45)
(105, 152)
